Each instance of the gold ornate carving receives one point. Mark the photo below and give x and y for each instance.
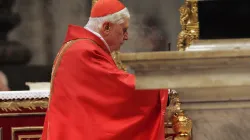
(93, 2)
(24, 129)
(175, 105)
(189, 23)
(182, 126)
(18, 105)
(22, 114)
(180, 123)
(118, 62)
(28, 137)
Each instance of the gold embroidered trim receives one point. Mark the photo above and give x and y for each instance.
(59, 58)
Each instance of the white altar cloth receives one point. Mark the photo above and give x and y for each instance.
(33, 94)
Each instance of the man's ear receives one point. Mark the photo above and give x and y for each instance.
(106, 28)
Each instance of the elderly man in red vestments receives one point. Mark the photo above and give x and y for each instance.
(91, 99)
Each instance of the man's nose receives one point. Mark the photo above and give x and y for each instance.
(125, 36)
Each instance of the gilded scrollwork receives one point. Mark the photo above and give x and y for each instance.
(19, 105)
(184, 14)
(180, 123)
(189, 24)
(194, 11)
(182, 126)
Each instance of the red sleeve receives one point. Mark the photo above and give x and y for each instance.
(102, 65)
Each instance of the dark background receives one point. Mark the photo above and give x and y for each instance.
(220, 19)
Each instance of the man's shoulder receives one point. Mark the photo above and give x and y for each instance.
(86, 49)
(84, 46)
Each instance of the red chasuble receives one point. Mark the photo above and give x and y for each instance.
(91, 99)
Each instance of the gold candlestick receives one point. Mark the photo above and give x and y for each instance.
(182, 126)
(177, 120)
(189, 23)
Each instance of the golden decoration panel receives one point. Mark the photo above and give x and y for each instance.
(19, 105)
(14, 130)
(22, 114)
(28, 137)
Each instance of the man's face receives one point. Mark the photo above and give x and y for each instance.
(115, 34)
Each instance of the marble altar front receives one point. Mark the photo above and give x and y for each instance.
(213, 87)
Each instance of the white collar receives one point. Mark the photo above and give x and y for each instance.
(98, 35)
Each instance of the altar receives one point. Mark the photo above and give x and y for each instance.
(22, 114)
(213, 88)
(210, 70)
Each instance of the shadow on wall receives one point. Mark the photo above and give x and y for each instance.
(147, 34)
(155, 33)
(154, 25)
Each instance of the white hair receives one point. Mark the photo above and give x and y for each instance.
(3, 78)
(95, 24)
